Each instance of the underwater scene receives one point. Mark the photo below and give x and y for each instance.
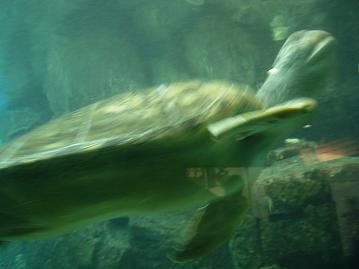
(189, 134)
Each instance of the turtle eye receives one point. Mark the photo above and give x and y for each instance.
(272, 71)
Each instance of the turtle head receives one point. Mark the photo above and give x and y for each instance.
(301, 69)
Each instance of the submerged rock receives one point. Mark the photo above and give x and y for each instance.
(300, 217)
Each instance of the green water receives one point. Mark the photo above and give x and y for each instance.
(59, 56)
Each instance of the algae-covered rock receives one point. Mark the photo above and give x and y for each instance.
(141, 243)
(245, 245)
(300, 217)
(97, 246)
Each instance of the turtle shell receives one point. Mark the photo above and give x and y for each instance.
(162, 115)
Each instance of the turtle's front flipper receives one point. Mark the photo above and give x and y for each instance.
(212, 226)
(250, 123)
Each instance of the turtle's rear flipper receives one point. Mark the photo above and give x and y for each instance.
(212, 226)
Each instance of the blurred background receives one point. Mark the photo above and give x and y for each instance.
(57, 56)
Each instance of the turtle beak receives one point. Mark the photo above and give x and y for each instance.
(323, 46)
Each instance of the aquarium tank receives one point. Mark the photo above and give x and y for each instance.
(193, 134)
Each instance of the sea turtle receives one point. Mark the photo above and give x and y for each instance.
(145, 152)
